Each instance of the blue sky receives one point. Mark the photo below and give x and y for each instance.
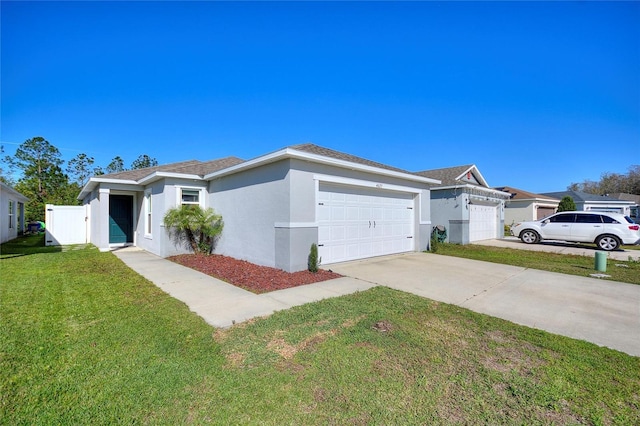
(537, 95)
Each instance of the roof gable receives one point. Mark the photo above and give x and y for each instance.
(458, 175)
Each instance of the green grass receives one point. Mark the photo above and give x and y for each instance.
(623, 271)
(84, 340)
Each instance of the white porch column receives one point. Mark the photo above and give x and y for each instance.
(103, 220)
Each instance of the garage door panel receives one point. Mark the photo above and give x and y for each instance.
(482, 222)
(363, 222)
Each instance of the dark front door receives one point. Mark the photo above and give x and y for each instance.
(120, 219)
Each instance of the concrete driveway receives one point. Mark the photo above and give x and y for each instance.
(606, 313)
(560, 247)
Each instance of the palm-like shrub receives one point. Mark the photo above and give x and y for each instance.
(193, 226)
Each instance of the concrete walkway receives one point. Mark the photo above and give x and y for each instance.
(603, 312)
(221, 304)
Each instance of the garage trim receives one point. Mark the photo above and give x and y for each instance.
(362, 183)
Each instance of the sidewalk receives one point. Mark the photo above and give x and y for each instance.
(221, 304)
(606, 313)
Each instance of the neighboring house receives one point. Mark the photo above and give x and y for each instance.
(592, 202)
(11, 213)
(634, 210)
(274, 206)
(465, 205)
(525, 206)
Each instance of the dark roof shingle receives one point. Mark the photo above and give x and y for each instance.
(326, 152)
(194, 167)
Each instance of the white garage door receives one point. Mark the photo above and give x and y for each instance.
(355, 223)
(482, 222)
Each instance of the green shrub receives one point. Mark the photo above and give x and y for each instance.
(313, 260)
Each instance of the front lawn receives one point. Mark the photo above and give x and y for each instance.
(623, 271)
(84, 340)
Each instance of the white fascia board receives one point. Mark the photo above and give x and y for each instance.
(160, 175)
(321, 159)
(20, 197)
(613, 202)
(478, 188)
(365, 184)
(94, 181)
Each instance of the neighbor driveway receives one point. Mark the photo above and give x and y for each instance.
(603, 312)
(564, 247)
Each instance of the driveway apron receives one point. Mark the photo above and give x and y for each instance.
(606, 313)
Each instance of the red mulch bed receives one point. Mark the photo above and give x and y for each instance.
(258, 279)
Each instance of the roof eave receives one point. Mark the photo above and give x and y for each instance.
(288, 153)
(469, 186)
(155, 176)
(94, 181)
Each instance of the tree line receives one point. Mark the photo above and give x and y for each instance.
(612, 183)
(45, 179)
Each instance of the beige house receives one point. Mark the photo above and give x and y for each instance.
(524, 206)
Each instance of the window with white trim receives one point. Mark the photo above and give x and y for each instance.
(189, 196)
(11, 213)
(147, 213)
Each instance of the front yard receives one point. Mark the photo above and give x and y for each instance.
(84, 340)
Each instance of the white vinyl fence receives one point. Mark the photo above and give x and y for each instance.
(65, 225)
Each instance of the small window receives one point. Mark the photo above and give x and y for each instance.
(588, 218)
(148, 215)
(190, 196)
(11, 214)
(563, 218)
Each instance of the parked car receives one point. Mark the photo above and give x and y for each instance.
(607, 230)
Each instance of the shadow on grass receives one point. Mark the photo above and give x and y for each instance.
(26, 245)
(585, 246)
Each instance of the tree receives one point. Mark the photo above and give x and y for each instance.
(37, 159)
(42, 180)
(6, 171)
(144, 161)
(115, 166)
(80, 168)
(566, 204)
(610, 183)
(194, 227)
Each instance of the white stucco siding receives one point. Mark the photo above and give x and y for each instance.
(516, 212)
(10, 226)
(251, 203)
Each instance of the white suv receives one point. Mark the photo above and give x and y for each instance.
(607, 230)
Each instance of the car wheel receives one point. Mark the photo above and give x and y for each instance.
(529, 237)
(607, 242)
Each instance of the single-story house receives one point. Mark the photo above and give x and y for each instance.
(466, 205)
(524, 206)
(12, 218)
(634, 210)
(273, 206)
(592, 202)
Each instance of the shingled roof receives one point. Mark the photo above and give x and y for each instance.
(448, 175)
(519, 194)
(582, 197)
(192, 167)
(326, 152)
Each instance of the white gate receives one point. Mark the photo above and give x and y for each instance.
(65, 225)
